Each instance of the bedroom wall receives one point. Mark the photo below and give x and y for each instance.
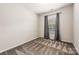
(17, 26)
(76, 26)
(66, 23)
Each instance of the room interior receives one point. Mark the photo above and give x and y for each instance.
(39, 28)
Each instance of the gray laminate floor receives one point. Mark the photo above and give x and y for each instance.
(42, 46)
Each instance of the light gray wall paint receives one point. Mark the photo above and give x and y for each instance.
(66, 26)
(76, 26)
(17, 26)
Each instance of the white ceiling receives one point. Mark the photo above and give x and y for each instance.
(44, 7)
(40, 7)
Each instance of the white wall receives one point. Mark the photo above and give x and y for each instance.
(17, 26)
(76, 26)
(66, 26)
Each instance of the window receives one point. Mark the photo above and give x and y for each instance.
(52, 25)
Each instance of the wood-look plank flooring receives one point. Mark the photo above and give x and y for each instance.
(42, 46)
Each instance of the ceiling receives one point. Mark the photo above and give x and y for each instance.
(44, 7)
(40, 7)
